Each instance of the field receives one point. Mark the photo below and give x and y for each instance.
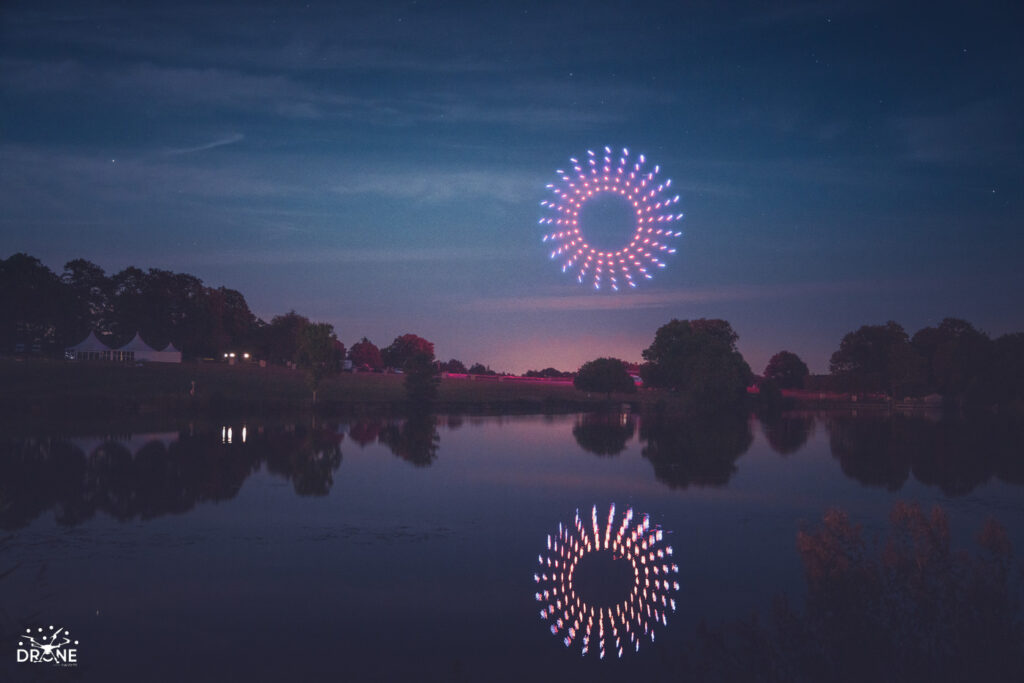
(35, 386)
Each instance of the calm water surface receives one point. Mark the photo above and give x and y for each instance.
(406, 548)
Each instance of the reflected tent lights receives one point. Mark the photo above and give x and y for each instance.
(620, 627)
(652, 203)
(227, 434)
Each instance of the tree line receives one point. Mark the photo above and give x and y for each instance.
(697, 358)
(700, 360)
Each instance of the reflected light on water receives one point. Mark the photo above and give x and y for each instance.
(623, 624)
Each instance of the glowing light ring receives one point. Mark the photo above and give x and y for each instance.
(620, 628)
(655, 211)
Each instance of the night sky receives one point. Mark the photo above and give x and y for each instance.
(379, 166)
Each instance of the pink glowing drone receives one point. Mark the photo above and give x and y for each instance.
(655, 214)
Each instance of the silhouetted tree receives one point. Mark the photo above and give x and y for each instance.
(699, 358)
(480, 369)
(365, 353)
(956, 359)
(405, 347)
(550, 373)
(787, 370)
(317, 354)
(456, 366)
(279, 340)
(90, 291)
(604, 375)
(1007, 368)
(877, 358)
(421, 378)
(33, 304)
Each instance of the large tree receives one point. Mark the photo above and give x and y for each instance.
(317, 353)
(90, 292)
(698, 358)
(956, 358)
(421, 378)
(604, 375)
(454, 365)
(404, 348)
(33, 304)
(1007, 368)
(787, 370)
(877, 358)
(279, 340)
(365, 353)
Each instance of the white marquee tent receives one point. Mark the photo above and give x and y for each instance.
(91, 348)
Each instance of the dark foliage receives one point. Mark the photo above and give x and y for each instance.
(605, 376)
(908, 608)
(365, 355)
(404, 348)
(787, 370)
(37, 307)
(877, 358)
(698, 358)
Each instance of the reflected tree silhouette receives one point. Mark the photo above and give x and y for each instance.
(787, 433)
(365, 430)
(688, 452)
(604, 433)
(159, 477)
(908, 608)
(956, 455)
(870, 449)
(414, 439)
(309, 460)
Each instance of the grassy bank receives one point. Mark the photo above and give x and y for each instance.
(41, 387)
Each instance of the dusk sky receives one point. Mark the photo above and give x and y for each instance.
(380, 165)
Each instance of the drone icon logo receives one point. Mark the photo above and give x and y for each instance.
(48, 646)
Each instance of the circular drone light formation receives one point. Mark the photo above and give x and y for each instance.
(620, 626)
(650, 198)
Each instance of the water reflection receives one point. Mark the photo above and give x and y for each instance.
(956, 455)
(787, 433)
(689, 452)
(580, 601)
(158, 473)
(149, 475)
(414, 439)
(604, 433)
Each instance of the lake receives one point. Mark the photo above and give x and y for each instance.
(422, 547)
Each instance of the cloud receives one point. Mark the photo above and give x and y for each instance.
(973, 134)
(473, 98)
(228, 140)
(346, 256)
(438, 185)
(664, 299)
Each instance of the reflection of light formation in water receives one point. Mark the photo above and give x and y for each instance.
(625, 622)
